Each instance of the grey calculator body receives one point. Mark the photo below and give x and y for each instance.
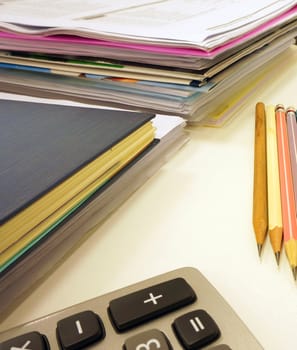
(233, 332)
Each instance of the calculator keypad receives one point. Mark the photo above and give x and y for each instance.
(179, 310)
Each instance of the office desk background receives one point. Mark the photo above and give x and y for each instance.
(196, 211)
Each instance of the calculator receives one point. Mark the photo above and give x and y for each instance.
(176, 310)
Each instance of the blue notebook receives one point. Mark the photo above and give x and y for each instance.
(43, 145)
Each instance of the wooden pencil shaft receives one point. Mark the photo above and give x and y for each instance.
(286, 182)
(292, 137)
(276, 238)
(273, 181)
(275, 224)
(260, 220)
(291, 252)
(287, 191)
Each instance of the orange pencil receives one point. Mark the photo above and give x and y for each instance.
(275, 221)
(287, 189)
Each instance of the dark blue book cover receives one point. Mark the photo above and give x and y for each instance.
(43, 144)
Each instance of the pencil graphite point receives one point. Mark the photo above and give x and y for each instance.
(259, 249)
(277, 257)
(276, 237)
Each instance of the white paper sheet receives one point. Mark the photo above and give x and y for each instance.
(198, 23)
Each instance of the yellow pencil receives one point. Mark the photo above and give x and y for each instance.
(275, 222)
(260, 214)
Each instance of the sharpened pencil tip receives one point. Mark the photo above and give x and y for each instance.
(259, 249)
(277, 257)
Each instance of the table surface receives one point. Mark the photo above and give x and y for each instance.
(195, 211)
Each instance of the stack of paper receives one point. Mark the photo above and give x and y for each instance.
(63, 169)
(187, 58)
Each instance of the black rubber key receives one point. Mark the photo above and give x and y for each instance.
(79, 330)
(196, 329)
(138, 307)
(32, 340)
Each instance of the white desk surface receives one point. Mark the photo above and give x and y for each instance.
(196, 211)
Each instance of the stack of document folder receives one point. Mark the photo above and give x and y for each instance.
(63, 169)
(195, 59)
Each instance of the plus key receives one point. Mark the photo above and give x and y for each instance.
(146, 304)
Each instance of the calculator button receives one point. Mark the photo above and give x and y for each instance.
(79, 330)
(135, 308)
(196, 329)
(148, 340)
(28, 341)
(221, 347)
